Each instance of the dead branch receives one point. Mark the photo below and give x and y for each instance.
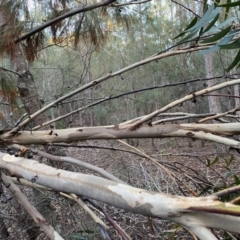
(32, 211)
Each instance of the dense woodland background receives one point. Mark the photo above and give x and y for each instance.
(115, 71)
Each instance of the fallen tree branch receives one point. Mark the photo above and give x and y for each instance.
(104, 78)
(195, 214)
(120, 231)
(32, 211)
(124, 94)
(218, 133)
(77, 162)
(148, 117)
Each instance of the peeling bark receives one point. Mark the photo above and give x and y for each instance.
(193, 213)
(213, 132)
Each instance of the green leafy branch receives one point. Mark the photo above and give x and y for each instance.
(206, 30)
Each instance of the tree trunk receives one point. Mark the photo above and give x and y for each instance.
(26, 86)
(213, 101)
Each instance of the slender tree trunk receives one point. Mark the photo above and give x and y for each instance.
(26, 86)
(213, 101)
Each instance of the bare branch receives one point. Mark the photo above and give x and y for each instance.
(96, 147)
(82, 204)
(220, 115)
(227, 191)
(190, 10)
(8, 70)
(132, 2)
(124, 94)
(106, 77)
(32, 211)
(180, 101)
(212, 132)
(21, 181)
(78, 162)
(121, 232)
(62, 17)
(192, 213)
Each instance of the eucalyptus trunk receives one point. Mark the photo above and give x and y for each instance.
(213, 101)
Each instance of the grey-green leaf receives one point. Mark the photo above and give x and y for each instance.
(218, 36)
(235, 62)
(210, 14)
(230, 20)
(233, 45)
(232, 4)
(192, 23)
(211, 23)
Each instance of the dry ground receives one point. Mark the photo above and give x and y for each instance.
(186, 160)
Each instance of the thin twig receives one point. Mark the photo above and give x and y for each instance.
(62, 17)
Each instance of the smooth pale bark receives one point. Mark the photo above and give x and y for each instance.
(213, 101)
(236, 93)
(212, 132)
(32, 211)
(193, 213)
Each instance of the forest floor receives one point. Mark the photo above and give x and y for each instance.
(199, 168)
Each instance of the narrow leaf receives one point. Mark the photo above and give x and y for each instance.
(208, 16)
(237, 180)
(230, 20)
(231, 159)
(201, 32)
(227, 10)
(217, 2)
(189, 36)
(218, 36)
(208, 163)
(211, 23)
(192, 23)
(235, 62)
(233, 45)
(231, 4)
(215, 160)
(205, 5)
(209, 50)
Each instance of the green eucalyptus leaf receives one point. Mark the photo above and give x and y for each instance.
(217, 36)
(227, 10)
(237, 180)
(231, 4)
(215, 160)
(205, 5)
(189, 36)
(209, 50)
(211, 23)
(208, 163)
(231, 159)
(233, 45)
(230, 20)
(235, 62)
(210, 14)
(223, 41)
(192, 23)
